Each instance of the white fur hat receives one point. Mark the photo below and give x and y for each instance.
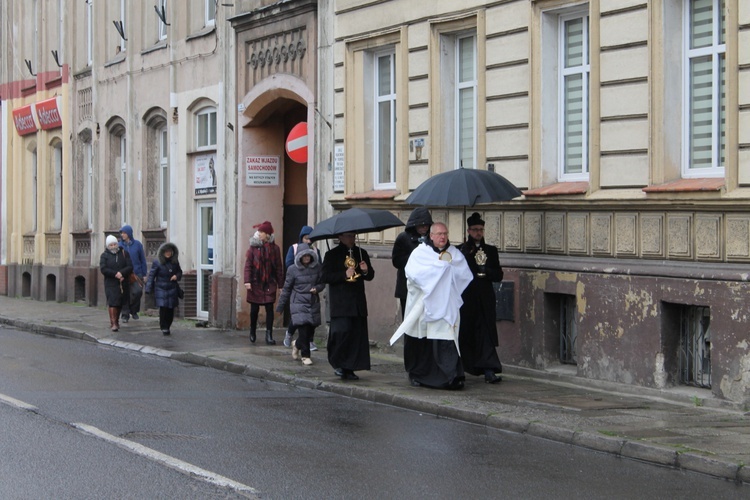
(111, 239)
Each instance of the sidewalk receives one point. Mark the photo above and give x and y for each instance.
(681, 427)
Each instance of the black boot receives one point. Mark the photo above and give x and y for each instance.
(269, 338)
(252, 334)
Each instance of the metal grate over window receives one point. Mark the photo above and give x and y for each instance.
(568, 330)
(695, 346)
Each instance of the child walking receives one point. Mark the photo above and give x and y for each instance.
(301, 291)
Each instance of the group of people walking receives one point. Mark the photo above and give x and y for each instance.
(445, 292)
(123, 265)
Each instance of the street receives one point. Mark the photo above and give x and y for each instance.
(83, 420)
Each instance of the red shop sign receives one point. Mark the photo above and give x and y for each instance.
(24, 120)
(48, 113)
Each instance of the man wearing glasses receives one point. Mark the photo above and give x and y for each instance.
(436, 275)
(477, 338)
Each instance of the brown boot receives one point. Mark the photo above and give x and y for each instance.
(118, 310)
(113, 319)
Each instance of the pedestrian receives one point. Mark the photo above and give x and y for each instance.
(302, 292)
(436, 275)
(477, 338)
(264, 273)
(134, 248)
(415, 233)
(162, 282)
(346, 267)
(304, 237)
(116, 267)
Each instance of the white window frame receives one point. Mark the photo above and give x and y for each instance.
(161, 27)
(563, 72)
(89, 32)
(123, 10)
(389, 98)
(89, 166)
(210, 13)
(163, 176)
(460, 86)
(57, 187)
(123, 167)
(211, 129)
(716, 51)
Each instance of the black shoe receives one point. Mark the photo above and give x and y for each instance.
(491, 378)
(124, 318)
(339, 372)
(269, 338)
(165, 332)
(135, 315)
(415, 383)
(252, 336)
(349, 375)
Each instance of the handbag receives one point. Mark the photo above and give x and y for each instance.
(180, 292)
(133, 278)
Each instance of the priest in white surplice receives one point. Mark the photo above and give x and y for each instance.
(436, 275)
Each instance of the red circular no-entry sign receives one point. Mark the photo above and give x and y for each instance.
(296, 143)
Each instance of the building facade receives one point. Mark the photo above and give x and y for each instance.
(627, 125)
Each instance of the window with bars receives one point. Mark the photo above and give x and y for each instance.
(466, 101)
(57, 187)
(123, 167)
(695, 346)
(574, 96)
(385, 120)
(705, 88)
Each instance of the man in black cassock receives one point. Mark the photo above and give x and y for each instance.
(345, 270)
(477, 336)
(414, 233)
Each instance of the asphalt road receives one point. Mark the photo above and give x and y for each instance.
(82, 420)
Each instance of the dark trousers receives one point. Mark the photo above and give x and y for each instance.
(166, 316)
(255, 309)
(306, 333)
(133, 305)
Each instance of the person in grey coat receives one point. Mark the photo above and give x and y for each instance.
(162, 281)
(301, 291)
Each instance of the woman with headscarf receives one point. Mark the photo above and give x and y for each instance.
(162, 281)
(116, 267)
(264, 273)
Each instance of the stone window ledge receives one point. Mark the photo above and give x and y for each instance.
(561, 188)
(687, 185)
(385, 194)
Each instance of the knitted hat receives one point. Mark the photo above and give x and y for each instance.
(474, 220)
(265, 227)
(110, 239)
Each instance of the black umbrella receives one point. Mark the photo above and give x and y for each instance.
(463, 187)
(355, 220)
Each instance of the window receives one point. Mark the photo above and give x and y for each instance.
(466, 102)
(88, 158)
(206, 129)
(57, 188)
(210, 12)
(123, 167)
(124, 24)
(705, 93)
(34, 186)
(160, 25)
(573, 88)
(385, 119)
(164, 176)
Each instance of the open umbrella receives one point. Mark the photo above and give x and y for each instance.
(463, 187)
(355, 220)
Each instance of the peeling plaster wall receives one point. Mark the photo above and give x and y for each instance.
(628, 326)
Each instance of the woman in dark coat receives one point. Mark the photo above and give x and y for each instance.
(264, 273)
(415, 233)
(162, 282)
(302, 292)
(477, 336)
(348, 340)
(116, 267)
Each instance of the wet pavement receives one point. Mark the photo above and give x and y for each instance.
(679, 427)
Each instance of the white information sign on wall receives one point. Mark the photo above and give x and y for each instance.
(262, 170)
(338, 168)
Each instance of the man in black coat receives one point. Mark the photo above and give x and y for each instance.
(345, 269)
(415, 233)
(477, 336)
